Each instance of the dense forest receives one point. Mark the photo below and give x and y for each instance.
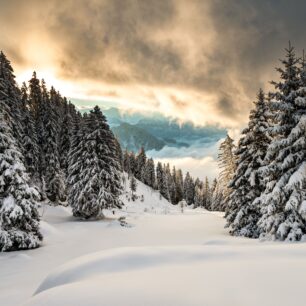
(52, 154)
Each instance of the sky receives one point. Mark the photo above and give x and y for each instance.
(200, 61)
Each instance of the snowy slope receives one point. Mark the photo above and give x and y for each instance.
(163, 258)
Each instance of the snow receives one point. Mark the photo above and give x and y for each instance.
(165, 257)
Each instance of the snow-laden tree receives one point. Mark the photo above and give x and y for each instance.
(247, 184)
(198, 196)
(99, 181)
(206, 194)
(227, 164)
(188, 189)
(133, 187)
(217, 196)
(51, 170)
(283, 203)
(159, 176)
(75, 161)
(65, 134)
(149, 173)
(29, 141)
(179, 183)
(141, 160)
(19, 218)
(12, 98)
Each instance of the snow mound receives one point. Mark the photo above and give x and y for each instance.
(124, 259)
(177, 275)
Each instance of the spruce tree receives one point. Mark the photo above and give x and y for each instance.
(51, 170)
(159, 176)
(247, 184)
(29, 136)
(283, 201)
(198, 196)
(19, 218)
(100, 177)
(65, 135)
(188, 189)
(227, 164)
(141, 159)
(133, 186)
(206, 194)
(179, 183)
(149, 173)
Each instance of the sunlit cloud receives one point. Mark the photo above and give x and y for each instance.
(199, 61)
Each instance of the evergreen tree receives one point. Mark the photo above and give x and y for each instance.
(198, 196)
(149, 173)
(126, 162)
(29, 136)
(35, 96)
(242, 215)
(19, 219)
(12, 98)
(207, 194)
(141, 159)
(55, 186)
(227, 164)
(283, 201)
(159, 176)
(217, 196)
(100, 177)
(65, 135)
(133, 186)
(179, 183)
(189, 189)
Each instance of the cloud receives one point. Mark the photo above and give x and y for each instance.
(195, 60)
(200, 158)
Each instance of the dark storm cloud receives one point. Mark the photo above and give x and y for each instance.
(222, 48)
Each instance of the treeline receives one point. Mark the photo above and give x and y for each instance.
(170, 182)
(50, 152)
(267, 190)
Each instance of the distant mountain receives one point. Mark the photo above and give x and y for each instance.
(154, 131)
(133, 138)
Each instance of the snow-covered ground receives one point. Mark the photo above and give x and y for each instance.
(162, 257)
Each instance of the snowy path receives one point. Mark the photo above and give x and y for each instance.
(163, 259)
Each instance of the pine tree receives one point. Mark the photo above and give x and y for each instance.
(133, 164)
(179, 183)
(12, 98)
(198, 196)
(283, 201)
(133, 186)
(159, 176)
(149, 173)
(189, 189)
(75, 159)
(227, 163)
(217, 196)
(100, 177)
(247, 184)
(207, 194)
(19, 219)
(141, 159)
(65, 135)
(29, 136)
(51, 170)
(126, 162)
(35, 97)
